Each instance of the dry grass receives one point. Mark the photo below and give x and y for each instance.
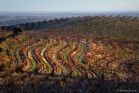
(5, 34)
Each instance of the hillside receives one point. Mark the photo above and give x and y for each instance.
(74, 55)
(103, 26)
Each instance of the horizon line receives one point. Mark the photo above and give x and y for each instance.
(115, 11)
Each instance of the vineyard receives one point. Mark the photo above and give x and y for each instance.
(83, 55)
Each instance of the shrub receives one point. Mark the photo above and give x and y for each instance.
(2, 66)
(1, 49)
(18, 29)
(8, 52)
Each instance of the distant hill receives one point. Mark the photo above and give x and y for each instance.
(122, 27)
(14, 18)
(41, 25)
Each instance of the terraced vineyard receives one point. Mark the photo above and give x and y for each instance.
(51, 62)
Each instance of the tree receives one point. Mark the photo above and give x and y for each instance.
(17, 29)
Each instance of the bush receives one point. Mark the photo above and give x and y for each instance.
(8, 52)
(18, 29)
(2, 66)
(1, 49)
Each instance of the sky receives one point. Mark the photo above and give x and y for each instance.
(69, 5)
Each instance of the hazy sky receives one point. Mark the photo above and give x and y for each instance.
(69, 5)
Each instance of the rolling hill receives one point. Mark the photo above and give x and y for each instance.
(78, 54)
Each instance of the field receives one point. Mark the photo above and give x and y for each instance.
(71, 55)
